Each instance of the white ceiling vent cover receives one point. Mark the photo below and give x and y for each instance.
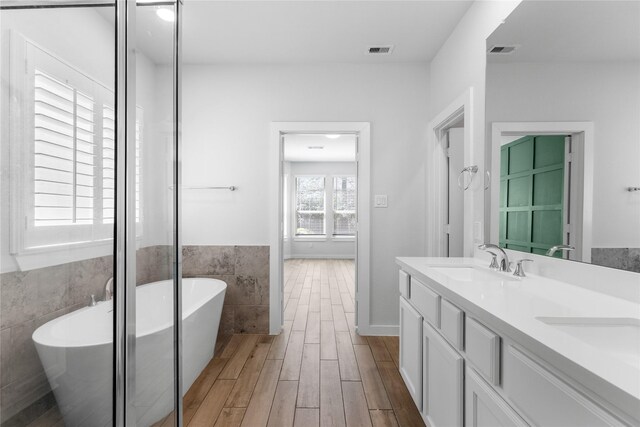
(379, 50)
(502, 50)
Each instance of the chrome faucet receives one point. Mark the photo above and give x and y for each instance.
(108, 290)
(553, 249)
(504, 262)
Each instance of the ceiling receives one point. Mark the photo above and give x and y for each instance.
(570, 31)
(340, 149)
(302, 31)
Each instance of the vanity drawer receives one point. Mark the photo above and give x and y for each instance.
(482, 348)
(426, 301)
(404, 284)
(452, 323)
(545, 399)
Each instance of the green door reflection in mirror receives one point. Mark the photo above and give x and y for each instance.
(532, 193)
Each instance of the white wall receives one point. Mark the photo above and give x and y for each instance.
(605, 93)
(226, 123)
(325, 247)
(459, 64)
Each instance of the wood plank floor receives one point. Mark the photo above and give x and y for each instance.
(317, 372)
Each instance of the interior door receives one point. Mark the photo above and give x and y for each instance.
(532, 193)
(455, 229)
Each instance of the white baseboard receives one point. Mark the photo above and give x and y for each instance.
(315, 256)
(379, 330)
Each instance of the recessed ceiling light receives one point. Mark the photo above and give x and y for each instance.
(333, 136)
(315, 147)
(166, 14)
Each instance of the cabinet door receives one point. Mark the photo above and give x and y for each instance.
(443, 380)
(484, 408)
(411, 350)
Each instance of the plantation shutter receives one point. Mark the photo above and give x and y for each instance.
(108, 164)
(64, 153)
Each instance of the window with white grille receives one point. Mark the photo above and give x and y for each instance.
(310, 205)
(344, 205)
(64, 172)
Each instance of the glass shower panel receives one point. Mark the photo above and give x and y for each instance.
(155, 357)
(56, 213)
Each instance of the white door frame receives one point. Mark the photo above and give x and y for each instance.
(582, 133)
(437, 174)
(363, 239)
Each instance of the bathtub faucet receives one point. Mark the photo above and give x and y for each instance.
(108, 290)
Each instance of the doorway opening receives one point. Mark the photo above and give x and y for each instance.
(320, 244)
(453, 181)
(319, 220)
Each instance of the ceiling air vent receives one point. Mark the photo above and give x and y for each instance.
(380, 50)
(501, 50)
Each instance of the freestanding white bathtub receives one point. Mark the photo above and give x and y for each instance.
(76, 351)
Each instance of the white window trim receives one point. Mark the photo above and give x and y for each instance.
(343, 238)
(20, 129)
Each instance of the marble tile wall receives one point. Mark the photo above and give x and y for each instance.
(245, 269)
(28, 299)
(622, 258)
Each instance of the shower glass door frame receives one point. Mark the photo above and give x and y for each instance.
(124, 413)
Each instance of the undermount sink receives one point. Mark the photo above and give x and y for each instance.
(474, 274)
(618, 335)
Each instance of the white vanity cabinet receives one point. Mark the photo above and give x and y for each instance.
(460, 371)
(484, 407)
(443, 376)
(411, 350)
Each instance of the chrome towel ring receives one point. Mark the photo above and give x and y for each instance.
(472, 171)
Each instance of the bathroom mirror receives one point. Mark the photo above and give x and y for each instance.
(563, 131)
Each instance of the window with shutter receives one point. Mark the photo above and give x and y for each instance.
(344, 205)
(63, 161)
(310, 205)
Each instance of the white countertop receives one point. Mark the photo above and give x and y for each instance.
(513, 306)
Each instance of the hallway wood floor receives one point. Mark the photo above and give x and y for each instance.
(317, 372)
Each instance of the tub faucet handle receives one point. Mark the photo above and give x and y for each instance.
(108, 289)
(93, 301)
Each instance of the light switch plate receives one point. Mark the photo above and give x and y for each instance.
(380, 201)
